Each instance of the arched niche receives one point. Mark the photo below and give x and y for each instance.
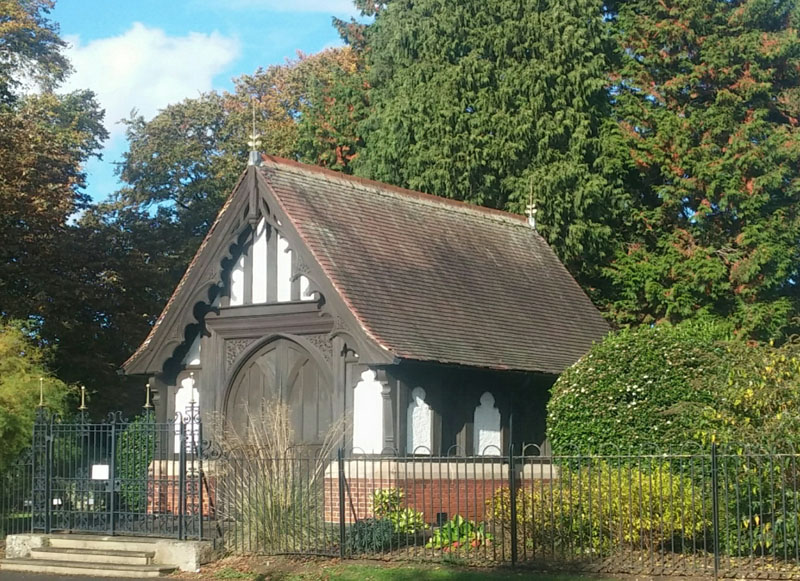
(368, 414)
(187, 406)
(419, 424)
(486, 422)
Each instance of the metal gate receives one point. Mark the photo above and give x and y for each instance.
(119, 477)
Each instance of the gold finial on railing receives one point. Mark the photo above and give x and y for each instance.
(83, 407)
(41, 392)
(147, 404)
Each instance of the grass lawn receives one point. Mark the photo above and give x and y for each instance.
(441, 573)
(326, 570)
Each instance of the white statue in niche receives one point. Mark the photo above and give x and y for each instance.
(418, 422)
(487, 428)
(187, 404)
(368, 414)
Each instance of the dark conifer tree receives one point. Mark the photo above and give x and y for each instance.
(497, 103)
(709, 103)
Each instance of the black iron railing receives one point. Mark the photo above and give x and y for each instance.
(136, 477)
(709, 512)
(715, 511)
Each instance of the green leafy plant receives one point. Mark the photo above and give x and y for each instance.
(387, 504)
(458, 533)
(759, 503)
(600, 507)
(371, 535)
(134, 453)
(650, 386)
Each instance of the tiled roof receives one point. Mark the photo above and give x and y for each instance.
(432, 279)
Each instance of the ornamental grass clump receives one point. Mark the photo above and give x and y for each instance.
(270, 491)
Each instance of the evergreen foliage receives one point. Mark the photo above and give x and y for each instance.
(493, 103)
(706, 94)
(667, 386)
(135, 451)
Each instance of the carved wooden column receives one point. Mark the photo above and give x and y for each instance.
(389, 440)
(158, 397)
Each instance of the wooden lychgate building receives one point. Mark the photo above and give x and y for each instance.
(423, 321)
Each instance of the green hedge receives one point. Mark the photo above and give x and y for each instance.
(135, 451)
(666, 386)
(677, 388)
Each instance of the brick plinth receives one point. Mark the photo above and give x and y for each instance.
(435, 489)
(164, 494)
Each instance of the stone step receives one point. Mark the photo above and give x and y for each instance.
(93, 555)
(101, 543)
(87, 569)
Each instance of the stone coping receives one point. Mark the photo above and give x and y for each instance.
(395, 469)
(391, 468)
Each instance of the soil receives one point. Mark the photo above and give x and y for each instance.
(277, 568)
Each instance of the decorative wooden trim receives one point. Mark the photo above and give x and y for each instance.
(247, 297)
(233, 348)
(323, 344)
(272, 265)
(256, 321)
(208, 278)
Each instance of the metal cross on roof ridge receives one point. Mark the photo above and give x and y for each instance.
(531, 209)
(255, 137)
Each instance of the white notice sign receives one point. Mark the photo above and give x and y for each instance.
(99, 471)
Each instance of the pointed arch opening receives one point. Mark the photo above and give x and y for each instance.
(282, 370)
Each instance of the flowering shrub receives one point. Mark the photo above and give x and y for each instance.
(643, 387)
(600, 507)
(658, 389)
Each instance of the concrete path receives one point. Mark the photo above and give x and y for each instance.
(15, 576)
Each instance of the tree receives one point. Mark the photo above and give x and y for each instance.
(22, 371)
(308, 108)
(498, 104)
(44, 140)
(337, 103)
(707, 97)
(185, 161)
(29, 47)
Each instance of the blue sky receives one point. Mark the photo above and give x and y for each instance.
(146, 54)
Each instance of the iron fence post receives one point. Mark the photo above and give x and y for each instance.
(199, 460)
(512, 486)
(48, 463)
(181, 479)
(715, 506)
(113, 481)
(340, 461)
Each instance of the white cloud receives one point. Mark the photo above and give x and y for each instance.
(145, 69)
(338, 7)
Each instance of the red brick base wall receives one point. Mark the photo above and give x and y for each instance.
(430, 497)
(432, 488)
(164, 494)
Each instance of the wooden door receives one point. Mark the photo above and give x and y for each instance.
(284, 371)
